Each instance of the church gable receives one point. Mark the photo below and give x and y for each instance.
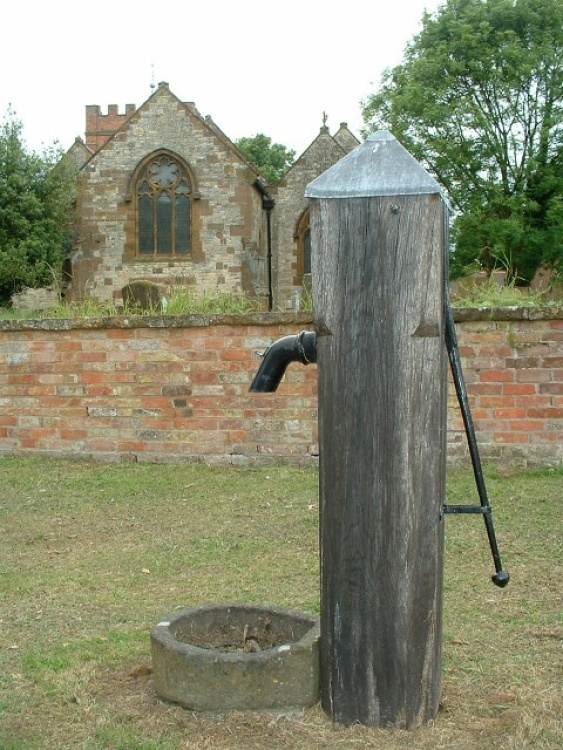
(345, 138)
(322, 154)
(292, 218)
(166, 198)
(78, 153)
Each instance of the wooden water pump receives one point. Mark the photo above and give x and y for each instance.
(382, 315)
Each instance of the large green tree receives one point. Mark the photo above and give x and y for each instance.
(36, 197)
(272, 160)
(478, 98)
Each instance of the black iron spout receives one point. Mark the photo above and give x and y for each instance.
(301, 347)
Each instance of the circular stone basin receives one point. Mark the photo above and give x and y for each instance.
(237, 657)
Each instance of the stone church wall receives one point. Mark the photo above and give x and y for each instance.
(229, 221)
(227, 216)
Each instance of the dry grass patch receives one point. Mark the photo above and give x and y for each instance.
(91, 556)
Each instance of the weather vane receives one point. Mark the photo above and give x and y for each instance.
(325, 118)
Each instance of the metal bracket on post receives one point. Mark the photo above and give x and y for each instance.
(466, 509)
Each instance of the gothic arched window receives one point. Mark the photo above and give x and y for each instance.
(164, 192)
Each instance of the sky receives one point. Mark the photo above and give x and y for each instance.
(253, 66)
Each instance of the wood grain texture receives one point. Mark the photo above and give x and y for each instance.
(382, 431)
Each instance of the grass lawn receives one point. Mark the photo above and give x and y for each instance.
(92, 556)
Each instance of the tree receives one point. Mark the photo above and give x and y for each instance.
(478, 98)
(272, 160)
(36, 199)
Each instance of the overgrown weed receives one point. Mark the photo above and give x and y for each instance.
(491, 294)
(180, 301)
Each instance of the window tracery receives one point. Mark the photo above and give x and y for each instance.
(164, 195)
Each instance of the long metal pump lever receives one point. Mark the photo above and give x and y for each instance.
(501, 576)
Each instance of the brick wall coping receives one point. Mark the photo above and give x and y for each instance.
(466, 314)
(252, 319)
(157, 321)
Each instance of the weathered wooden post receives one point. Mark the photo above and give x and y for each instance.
(378, 233)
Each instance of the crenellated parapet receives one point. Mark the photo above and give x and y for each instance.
(100, 127)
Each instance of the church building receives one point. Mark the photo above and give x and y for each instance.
(165, 197)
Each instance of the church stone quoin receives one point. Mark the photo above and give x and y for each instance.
(165, 197)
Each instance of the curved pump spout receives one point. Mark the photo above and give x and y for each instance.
(301, 347)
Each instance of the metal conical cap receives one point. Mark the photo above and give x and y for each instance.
(379, 166)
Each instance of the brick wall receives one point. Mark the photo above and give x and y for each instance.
(513, 366)
(153, 389)
(100, 128)
(176, 389)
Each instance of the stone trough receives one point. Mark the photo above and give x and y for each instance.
(237, 657)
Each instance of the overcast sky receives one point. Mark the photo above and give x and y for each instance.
(255, 67)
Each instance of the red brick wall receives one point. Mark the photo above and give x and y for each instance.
(100, 128)
(513, 366)
(151, 390)
(176, 389)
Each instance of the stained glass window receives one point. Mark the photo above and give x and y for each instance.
(163, 208)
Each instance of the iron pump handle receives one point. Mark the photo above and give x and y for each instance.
(501, 576)
(302, 347)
